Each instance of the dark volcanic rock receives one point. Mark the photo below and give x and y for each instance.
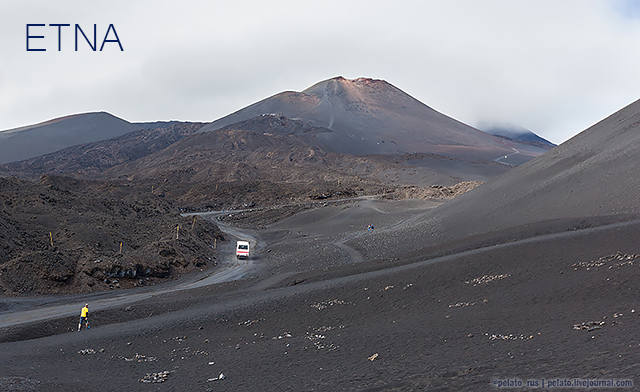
(90, 160)
(86, 222)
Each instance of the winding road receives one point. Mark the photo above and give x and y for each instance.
(231, 270)
(505, 157)
(33, 309)
(60, 307)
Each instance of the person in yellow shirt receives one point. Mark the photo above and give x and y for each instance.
(84, 317)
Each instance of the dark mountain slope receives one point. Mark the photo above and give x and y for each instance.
(521, 135)
(590, 179)
(269, 158)
(275, 159)
(236, 166)
(53, 135)
(92, 159)
(378, 118)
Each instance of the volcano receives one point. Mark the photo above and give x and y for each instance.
(379, 118)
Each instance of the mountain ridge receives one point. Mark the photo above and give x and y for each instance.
(379, 118)
(52, 135)
(588, 180)
(519, 134)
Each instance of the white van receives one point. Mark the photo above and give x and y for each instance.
(242, 249)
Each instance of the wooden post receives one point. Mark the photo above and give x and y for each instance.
(120, 247)
(51, 239)
(177, 232)
(193, 224)
(215, 243)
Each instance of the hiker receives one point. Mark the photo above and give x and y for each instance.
(84, 317)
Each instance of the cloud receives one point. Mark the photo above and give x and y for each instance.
(553, 67)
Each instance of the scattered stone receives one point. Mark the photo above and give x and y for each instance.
(155, 377)
(589, 325)
(373, 357)
(128, 308)
(283, 336)
(617, 260)
(248, 323)
(465, 304)
(508, 337)
(388, 288)
(220, 377)
(484, 279)
(328, 303)
(327, 328)
(140, 358)
(87, 351)
(318, 338)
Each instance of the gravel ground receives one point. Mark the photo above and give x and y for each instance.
(452, 323)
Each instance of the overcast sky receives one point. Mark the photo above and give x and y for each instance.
(555, 66)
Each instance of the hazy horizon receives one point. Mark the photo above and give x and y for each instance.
(554, 68)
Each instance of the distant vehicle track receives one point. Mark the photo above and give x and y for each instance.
(237, 271)
(232, 270)
(70, 305)
(501, 157)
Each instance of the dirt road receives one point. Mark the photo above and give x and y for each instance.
(229, 269)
